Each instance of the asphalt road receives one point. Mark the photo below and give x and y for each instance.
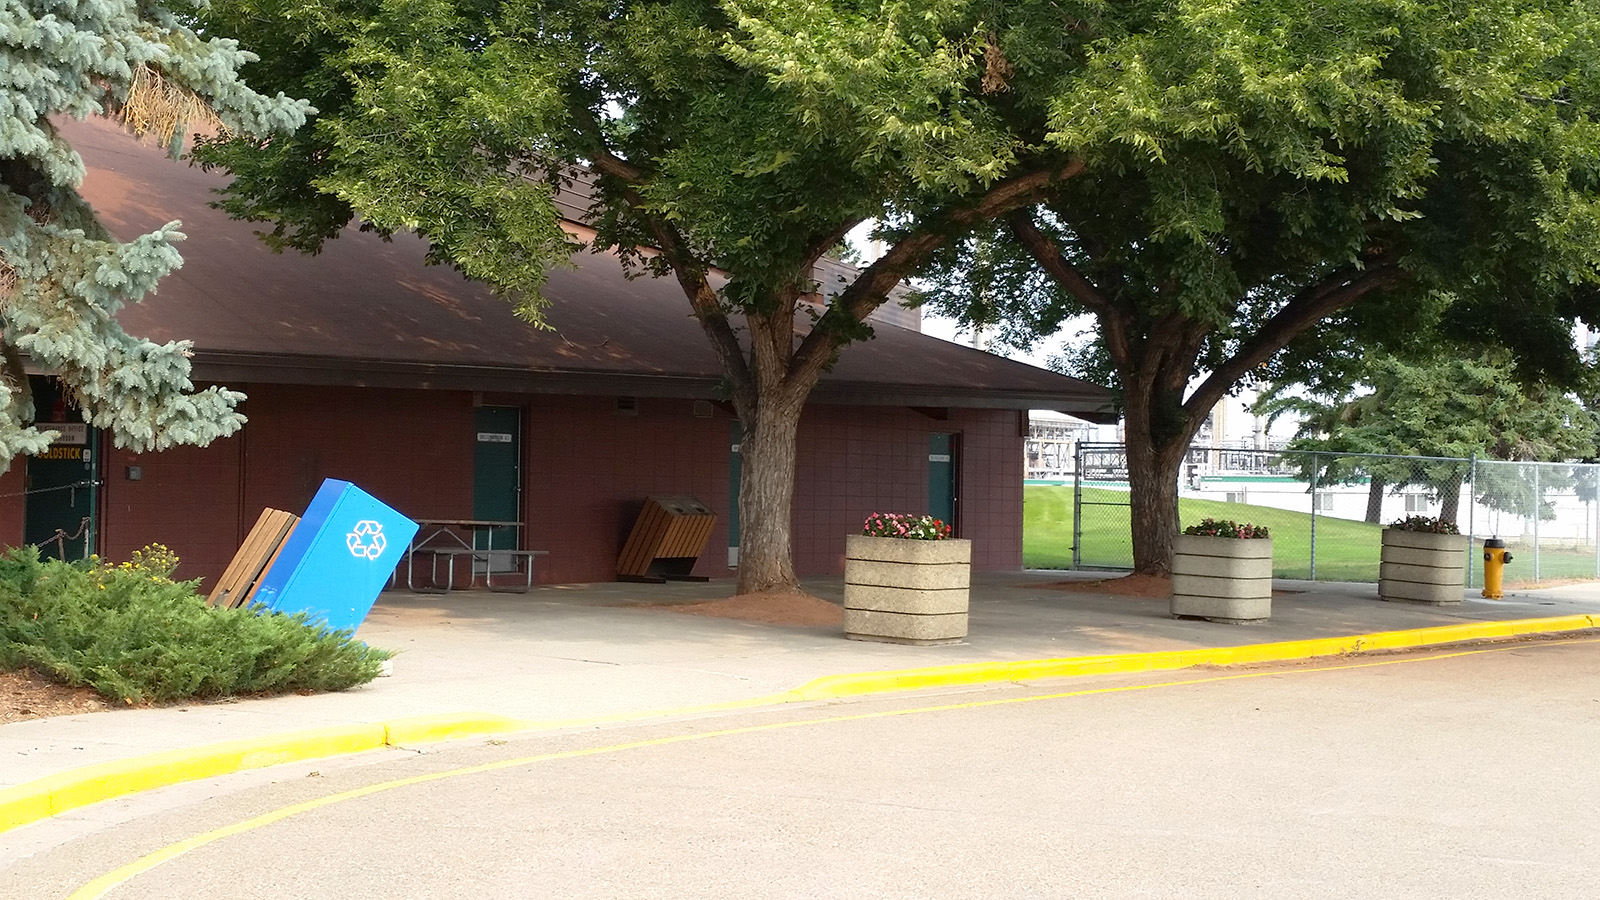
(1427, 775)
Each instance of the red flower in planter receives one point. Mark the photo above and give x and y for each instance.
(1227, 528)
(905, 525)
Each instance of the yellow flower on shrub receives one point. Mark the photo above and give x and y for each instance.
(156, 562)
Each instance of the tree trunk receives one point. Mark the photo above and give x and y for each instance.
(770, 400)
(1449, 501)
(766, 498)
(1375, 489)
(1153, 498)
(1153, 469)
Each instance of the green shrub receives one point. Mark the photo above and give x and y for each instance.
(131, 632)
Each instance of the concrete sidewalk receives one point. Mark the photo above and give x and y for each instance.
(579, 653)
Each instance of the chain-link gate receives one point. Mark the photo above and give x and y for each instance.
(1326, 510)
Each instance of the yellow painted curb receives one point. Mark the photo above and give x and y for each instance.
(432, 729)
(833, 686)
(59, 793)
(56, 794)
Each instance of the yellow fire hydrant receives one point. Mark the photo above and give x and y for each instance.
(1495, 558)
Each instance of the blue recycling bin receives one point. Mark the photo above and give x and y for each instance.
(338, 557)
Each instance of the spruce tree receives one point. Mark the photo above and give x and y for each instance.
(62, 275)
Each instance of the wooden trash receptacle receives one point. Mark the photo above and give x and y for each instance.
(667, 539)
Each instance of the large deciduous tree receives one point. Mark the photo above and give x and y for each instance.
(740, 138)
(1269, 184)
(1212, 180)
(62, 275)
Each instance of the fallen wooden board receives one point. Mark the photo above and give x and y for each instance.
(255, 556)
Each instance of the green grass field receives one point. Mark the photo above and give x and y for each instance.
(1346, 550)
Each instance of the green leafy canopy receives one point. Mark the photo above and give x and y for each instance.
(1229, 188)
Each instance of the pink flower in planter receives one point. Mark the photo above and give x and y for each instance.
(905, 525)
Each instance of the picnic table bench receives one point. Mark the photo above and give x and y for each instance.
(441, 541)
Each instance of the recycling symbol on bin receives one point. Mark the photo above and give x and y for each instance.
(366, 539)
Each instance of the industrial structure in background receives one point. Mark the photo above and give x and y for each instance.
(1053, 439)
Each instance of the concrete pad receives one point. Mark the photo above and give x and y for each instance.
(563, 653)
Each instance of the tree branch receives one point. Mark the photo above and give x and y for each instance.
(607, 163)
(1177, 339)
(603, 159)
(692, 278)
(691, 273)
(1114, 319)
(870, 288)
(1050, 258)
(1307, 309)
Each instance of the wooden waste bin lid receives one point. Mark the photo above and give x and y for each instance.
(672, 527)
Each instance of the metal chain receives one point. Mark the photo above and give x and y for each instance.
(62, 487)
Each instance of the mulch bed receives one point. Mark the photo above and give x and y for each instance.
(26, 695)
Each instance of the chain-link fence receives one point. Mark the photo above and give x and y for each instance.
(1326, 510)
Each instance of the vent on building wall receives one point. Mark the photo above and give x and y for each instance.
(703, 409)
(627, 406)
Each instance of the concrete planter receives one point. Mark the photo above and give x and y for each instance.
(905, 591)
(1222, 579)
(1419, 567)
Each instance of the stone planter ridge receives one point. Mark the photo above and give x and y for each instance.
(1422, 567)
(906, 591)
(1222, 579)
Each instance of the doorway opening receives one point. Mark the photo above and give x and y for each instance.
(944, 479)
(59, 515)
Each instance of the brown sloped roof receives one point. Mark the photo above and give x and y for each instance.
(370, 312)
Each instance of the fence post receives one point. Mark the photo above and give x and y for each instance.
(1538, 508)
(1077, 504)
(1316, 476)
(1472, 509)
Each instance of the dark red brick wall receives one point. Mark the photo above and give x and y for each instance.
(853, 461)
(991, 486)
(186, 498)
(590, 468)
(586, 472)
(410, 449)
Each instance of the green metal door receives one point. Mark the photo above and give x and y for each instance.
(943, 497)
(496, 478)
(59, 515)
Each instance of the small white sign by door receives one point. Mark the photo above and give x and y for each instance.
(938, 457)
(74, 433)
(493, 437)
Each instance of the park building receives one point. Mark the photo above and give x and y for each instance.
(364, 364)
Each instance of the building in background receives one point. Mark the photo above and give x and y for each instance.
(364, 364)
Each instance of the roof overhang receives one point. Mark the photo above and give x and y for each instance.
(366, 311)
(245, 368)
